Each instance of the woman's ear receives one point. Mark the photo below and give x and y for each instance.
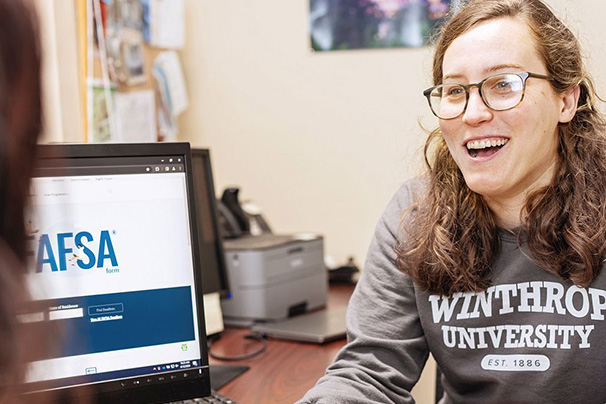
(570, 100)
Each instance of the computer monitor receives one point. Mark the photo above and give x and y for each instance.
(113, 240)
(212, 258)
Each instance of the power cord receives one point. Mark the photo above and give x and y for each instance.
(254, 336)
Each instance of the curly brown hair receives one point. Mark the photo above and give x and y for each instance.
(453, 235)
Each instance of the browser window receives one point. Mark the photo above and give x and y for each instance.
(111, 263)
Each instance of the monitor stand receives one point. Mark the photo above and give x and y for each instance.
(220, 375)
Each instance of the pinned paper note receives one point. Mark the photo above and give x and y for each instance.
(166, 21)
(135, 116)
(169, 66)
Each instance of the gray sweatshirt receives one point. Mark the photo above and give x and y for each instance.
(529, 338)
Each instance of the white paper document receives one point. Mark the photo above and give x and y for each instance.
(135, 116)
(167, 24)
(168, 65)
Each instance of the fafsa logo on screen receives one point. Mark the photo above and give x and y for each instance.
(81, 251)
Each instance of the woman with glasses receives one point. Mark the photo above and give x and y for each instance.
(492, 261)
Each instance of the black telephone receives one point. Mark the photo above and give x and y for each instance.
(236, 221)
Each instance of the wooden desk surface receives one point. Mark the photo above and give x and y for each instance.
(286, 370)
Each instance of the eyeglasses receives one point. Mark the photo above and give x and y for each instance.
(499, 92)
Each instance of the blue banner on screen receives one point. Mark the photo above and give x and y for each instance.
(118, 321)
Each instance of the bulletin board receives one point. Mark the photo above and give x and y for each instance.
(130, 71)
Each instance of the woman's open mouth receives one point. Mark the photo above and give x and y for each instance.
(485, 147)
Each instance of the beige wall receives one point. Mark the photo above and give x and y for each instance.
(320, 141)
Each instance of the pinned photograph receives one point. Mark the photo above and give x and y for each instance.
(100, 129)
(132, 57)
(125, 42)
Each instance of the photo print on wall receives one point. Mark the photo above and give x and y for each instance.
(371, 24)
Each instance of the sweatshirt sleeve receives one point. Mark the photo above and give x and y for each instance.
(386, 349)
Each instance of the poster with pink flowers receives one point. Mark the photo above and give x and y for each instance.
(367, 24)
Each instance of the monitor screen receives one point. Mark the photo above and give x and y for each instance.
(115, 266)
(212, 259)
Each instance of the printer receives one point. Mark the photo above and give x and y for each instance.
(273, 277)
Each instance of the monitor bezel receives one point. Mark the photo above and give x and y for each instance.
(109, 392)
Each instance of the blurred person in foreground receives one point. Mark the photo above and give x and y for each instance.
(20, 125)
(493, 260)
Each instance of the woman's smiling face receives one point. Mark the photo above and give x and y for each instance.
(525, 138)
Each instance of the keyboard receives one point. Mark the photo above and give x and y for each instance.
(214, 398)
